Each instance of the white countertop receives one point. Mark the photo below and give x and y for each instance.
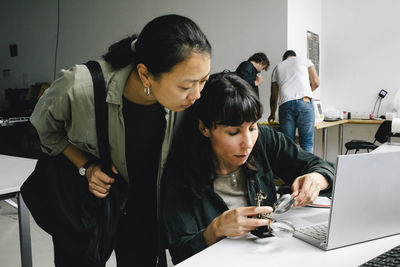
(13, 172)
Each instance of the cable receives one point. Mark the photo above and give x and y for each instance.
(375, 106)
(58, 31)
(377, 112)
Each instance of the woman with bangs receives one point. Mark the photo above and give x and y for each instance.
(211, 182)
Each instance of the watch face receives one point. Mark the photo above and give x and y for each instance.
(82, 171)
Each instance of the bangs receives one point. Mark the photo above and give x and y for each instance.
(229, 100)
(236, 110)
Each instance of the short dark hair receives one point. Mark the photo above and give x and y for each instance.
(260, 58)
(288, 53)
(164, 42)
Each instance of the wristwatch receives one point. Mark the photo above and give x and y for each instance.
(82, 170)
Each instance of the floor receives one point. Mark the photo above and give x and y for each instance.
(42, 248)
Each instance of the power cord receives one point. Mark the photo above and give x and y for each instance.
(381, 95)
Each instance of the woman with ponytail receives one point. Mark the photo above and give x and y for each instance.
(149, 78)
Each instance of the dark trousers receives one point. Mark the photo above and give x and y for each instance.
(137, 245)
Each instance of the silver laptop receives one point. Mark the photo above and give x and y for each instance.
(365, 202)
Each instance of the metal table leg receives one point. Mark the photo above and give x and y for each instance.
(24, 233)
(340, 148)
(324, 143)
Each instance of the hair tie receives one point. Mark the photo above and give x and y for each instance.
(133, 45)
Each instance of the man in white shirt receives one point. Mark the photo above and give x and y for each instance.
(293, 81)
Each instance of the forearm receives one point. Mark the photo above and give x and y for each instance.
(75, 155)
(314, 79)
(273, 100)
(273, 103)
(314, 86)
(211, 235)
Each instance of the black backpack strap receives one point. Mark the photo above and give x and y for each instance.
(101, 114)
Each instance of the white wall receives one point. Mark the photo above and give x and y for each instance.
(360, 57)
(303, 16)
(236, 30)
(361, 52)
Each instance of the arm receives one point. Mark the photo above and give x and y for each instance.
(307, 173)
(246, 72)
(273, 100)
(314, 79)
(99, 182)
(52, 116)
(236, 222)
(192, 223)
(306, 188)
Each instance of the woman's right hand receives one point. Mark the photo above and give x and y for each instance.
(99, 182)
(235, 222)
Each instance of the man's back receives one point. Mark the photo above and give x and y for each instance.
(293, 79)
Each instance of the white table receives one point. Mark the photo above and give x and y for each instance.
(274, 251)
(387, 147)
(13, 172)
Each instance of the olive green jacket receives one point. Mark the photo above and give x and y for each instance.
(65, 114)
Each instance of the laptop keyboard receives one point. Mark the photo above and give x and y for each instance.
(388, 258)
(318, 231)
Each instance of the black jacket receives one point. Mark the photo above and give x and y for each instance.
(248, 72)
(185, 216)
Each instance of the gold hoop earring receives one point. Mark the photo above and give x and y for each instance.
(147, 91)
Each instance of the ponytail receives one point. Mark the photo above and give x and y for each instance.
(120, 54)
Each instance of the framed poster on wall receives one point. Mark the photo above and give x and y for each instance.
(313, 49)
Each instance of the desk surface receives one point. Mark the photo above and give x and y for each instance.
(326, 124)
(386, 147)
(274, 251)
(14, 171)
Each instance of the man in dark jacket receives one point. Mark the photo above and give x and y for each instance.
(250, 70)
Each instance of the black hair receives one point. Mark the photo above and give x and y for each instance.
(164, 42)
(260, 58)
(288, 53)
(226, 99)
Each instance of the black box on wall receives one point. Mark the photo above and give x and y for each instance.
(13, 50)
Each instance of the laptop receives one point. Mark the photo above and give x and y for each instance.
(365, 202)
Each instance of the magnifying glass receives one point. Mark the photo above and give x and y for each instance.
(283, 204)
(282, 229)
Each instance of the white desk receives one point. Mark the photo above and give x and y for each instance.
(13, 172)
(273, 251)
(386, 147)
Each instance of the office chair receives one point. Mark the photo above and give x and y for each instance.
(382, 135)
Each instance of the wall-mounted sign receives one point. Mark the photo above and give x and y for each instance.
(313, 49)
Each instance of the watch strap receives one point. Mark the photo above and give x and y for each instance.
(88, 163)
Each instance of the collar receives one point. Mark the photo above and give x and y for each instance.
(116, 81)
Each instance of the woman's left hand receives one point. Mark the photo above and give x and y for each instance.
(306, 188)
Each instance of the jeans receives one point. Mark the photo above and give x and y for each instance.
(298, 114)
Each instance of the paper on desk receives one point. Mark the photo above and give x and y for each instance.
(321, 202)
